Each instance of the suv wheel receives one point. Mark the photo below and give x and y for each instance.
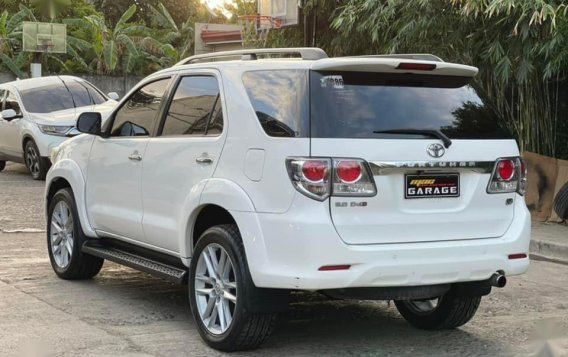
(2, 165)
(446, 312)
(65, 238)
(220, 290)
(37, 165)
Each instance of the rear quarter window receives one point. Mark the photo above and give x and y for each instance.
(280, 101)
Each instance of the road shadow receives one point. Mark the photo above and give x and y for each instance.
(312, 325)
(14, 170)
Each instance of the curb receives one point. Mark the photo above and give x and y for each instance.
(549, 251)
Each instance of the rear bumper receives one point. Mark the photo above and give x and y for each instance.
(286, 251)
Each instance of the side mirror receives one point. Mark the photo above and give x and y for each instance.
(90, 123)
(10, 114)
(113, 96)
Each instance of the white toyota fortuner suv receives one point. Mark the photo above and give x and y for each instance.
(376, 177)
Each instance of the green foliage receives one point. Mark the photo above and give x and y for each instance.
(520, 47)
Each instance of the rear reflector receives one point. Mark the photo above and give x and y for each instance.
(417, 66)
(517, 256)
(334, 267)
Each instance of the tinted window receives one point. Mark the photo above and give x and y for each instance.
(83, 94)
(215, 127)
(355, 104)
(138, 115)
(61, 96)
(196, 102)
(280, 100)
(12, 103)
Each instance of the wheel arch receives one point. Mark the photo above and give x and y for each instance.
(25, 138)
(213, 206)
(66, 173)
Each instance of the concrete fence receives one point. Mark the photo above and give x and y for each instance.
(106, 84)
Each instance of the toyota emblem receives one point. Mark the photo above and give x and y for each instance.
(436, 150)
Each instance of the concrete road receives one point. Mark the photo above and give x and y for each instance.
(126, 313)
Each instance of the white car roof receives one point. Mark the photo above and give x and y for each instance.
(25, 84)
(317, 60)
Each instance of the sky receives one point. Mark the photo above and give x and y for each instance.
(220, 6)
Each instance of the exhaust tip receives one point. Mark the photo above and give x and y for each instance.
(498, 280)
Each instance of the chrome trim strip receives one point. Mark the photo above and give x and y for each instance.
(385, 167)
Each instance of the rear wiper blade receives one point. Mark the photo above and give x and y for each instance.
(430, 132)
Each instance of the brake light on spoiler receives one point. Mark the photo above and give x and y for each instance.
(319, 178)
(509, 175)
(416, 66)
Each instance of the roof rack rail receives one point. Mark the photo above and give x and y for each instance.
(306, 53)
(413, 56)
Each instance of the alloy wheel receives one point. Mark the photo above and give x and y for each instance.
(32, 160)
(62, 234)
(215, 288)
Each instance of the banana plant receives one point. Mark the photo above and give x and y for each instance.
(176, 36)
(11, 41)
(111, 45)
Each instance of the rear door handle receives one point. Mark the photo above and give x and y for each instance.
(204, 160)
(135, 157)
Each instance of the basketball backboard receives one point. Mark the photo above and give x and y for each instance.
(44, 37)
(286, 11)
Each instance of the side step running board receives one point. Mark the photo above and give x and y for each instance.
(162, 270)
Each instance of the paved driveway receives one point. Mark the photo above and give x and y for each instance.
(126, 313)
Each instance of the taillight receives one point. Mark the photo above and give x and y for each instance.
(319, 178)
(506, 169)
(315, 170)
(310, 176)
(348, 171)
(509, 175)
(352, 178)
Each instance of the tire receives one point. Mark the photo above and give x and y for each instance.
(561, 202)
(37, 165)
(67, 259)
(450, 312)
(244, 329)
(2, 165)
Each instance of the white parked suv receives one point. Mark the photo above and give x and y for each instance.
(40, 113)
(377, 177)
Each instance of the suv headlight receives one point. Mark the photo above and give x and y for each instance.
(55, 129)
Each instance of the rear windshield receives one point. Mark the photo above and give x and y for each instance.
(356, 105)
(56, 97)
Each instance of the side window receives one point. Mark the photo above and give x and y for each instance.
(12, 103)
(138, 115)
(280, 101)
(216, 123)
(195, 108)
